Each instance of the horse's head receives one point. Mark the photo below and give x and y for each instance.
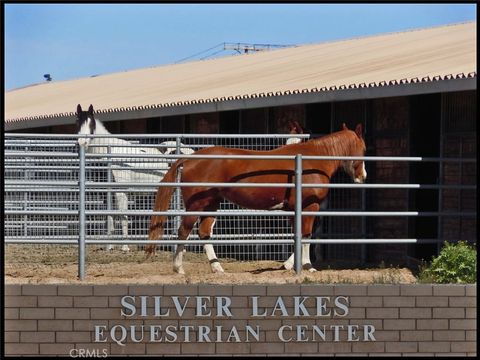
(356, 168)
(294, 127)
(86, 125)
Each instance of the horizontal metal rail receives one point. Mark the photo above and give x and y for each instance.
(153, 189)
(286, 157)
(170, 236)
(118, 185)
(154, 146)
(224, 242)
(35, 154)
(44, 169)
(240, 213)
(244, 157)
(157, 136)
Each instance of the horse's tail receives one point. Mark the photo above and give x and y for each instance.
(162, 200)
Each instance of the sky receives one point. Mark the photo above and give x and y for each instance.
(72, 41)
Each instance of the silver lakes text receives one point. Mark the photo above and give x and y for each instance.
(219, 308)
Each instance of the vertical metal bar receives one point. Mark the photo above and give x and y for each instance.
(460, 191)
(298, 213)
(110, 223)
(81, 215)
(363, 247)
(26, 176)
(440, 175)
(177, 199)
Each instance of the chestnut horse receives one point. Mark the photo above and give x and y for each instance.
(207, 198)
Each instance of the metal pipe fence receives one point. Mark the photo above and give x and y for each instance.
(50, 182)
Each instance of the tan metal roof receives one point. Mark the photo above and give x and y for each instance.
(420, 55)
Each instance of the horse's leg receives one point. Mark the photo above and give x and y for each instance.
(110, 229)
(307, 230)
(288, 264)
(205, 231)
(307, 227)
(183, 232)
(122, 205)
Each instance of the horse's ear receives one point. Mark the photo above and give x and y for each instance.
(79, 109)
(359, 130)
(90, 109)
(344, 127)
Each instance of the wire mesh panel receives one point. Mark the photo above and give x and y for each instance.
(42, 175)
(41, 181)
(248, 227)
(226, 227)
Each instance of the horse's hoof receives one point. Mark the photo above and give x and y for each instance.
(308, 267)
(217, 268)
(179, 270)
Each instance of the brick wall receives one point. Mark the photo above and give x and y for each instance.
(408, 319)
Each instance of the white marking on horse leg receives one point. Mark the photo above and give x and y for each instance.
(306, 264)
(125, 232)
(289, 263)
(122, 205)
(277, 207)
(178, 260)
(211, 227)
(110, 230)
(212, 258)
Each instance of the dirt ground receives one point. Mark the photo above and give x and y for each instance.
(58, 264)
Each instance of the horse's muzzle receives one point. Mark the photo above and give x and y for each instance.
(360, 180)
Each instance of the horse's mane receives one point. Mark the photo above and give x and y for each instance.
(338, 143)
(100, 128)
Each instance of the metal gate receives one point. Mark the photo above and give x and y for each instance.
(46, 178)
(42, 175)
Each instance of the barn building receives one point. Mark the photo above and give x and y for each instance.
(414, 92)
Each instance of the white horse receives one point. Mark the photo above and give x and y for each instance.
(88, 125)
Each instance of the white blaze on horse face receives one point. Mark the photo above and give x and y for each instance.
(348, 168)
(85, 130)
(363, 175)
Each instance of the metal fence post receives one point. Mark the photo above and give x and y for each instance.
(26, 176)
(298, 213)
(81, 215)
(110, 222)
(177, 196)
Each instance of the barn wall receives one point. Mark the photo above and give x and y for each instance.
(459, 141)
(389, 128)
